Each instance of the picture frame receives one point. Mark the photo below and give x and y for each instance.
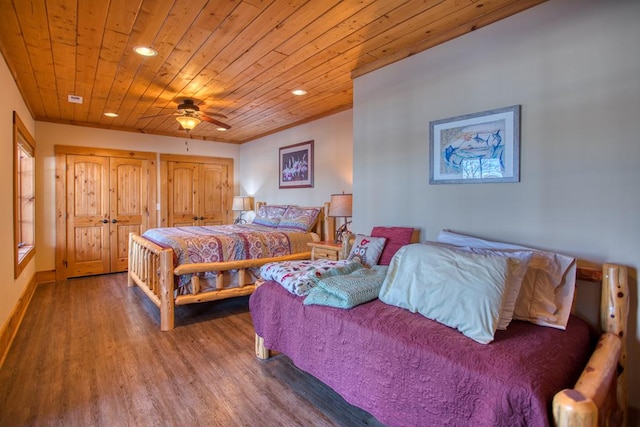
(296, 165)
(481, 147)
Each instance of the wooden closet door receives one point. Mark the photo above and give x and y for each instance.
(87, 215)
(195, 190)
(182, 188)
(212, 185)
(128, 206)
(94, 188)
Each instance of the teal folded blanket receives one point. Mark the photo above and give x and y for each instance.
(348, 290)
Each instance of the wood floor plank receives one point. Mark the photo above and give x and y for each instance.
(90, 353)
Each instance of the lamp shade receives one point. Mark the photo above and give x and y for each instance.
(188, 122)
(340, 205)
(242, 203)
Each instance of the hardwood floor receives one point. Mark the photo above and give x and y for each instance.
(90, 353)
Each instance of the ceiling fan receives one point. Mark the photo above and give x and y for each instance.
(189, 116)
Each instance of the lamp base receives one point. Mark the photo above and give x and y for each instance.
(240, 219)
(342, 229)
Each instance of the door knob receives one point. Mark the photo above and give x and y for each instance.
(195, 218)
(104, 221)
(114, 221)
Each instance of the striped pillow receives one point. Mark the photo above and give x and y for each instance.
(299, 219)
(269, 215)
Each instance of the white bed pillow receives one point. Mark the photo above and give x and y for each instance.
(514, 280)
(462, 290)
(547, 290)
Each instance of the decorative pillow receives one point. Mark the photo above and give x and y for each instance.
(367, 249)
(299, 219)
(298, 277)
(514, 280)
(462, 290)
(396, 237)
(269, 215)
(547, 290)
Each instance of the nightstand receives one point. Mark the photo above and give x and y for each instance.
(325, 250)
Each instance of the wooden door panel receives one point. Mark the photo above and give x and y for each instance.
(87, 215)
(88, 254)
(212, 185)
(183, 193)
(128, 208)
(120, 244)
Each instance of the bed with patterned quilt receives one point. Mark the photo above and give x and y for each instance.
(184, 265)
(461, 331)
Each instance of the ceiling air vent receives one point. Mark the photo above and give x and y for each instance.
(75, 99)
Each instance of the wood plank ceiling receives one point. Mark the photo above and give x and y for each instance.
(239, 58)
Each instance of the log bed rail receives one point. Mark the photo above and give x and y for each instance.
(599, 397)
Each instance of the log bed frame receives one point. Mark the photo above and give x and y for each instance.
(150, 267)
(599, 397)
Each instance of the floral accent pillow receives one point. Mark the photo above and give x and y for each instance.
(299, 219)
(367, 249)
(298, 277)
(269, 216)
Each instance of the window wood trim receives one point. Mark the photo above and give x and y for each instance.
(22, 138)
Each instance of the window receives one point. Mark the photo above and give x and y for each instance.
(24, 190)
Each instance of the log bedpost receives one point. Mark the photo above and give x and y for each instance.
(599, 397)
(614, 314)
(262, 352)
(130, 262)
(167, 301)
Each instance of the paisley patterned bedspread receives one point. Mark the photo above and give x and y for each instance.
(407, 370)
(199, 244)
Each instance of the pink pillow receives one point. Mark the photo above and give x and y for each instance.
(397, 237)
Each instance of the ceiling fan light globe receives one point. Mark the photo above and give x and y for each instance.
(188, 122)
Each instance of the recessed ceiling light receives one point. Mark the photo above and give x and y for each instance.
(145, 51)
(111, 114)
(221, 129)
(299, 92)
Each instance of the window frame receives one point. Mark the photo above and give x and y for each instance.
(23, 228)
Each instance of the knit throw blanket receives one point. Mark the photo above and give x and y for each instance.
(347, 290)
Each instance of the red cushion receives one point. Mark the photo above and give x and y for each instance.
(396, 237)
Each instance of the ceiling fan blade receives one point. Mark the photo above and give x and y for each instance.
(215, 122)
(222, 116)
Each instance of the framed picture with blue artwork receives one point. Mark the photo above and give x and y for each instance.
(296, 165)
(476, 148)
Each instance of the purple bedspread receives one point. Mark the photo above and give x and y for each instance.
(407, 370)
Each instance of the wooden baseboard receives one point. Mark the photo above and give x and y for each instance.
(46, 276)
(10, 328)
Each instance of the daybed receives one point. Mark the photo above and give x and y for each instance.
(184, 265)
(409, 370)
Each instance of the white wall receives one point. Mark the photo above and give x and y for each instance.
(333, 160)
(10, 288)
(50, 134)
(574, 66)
